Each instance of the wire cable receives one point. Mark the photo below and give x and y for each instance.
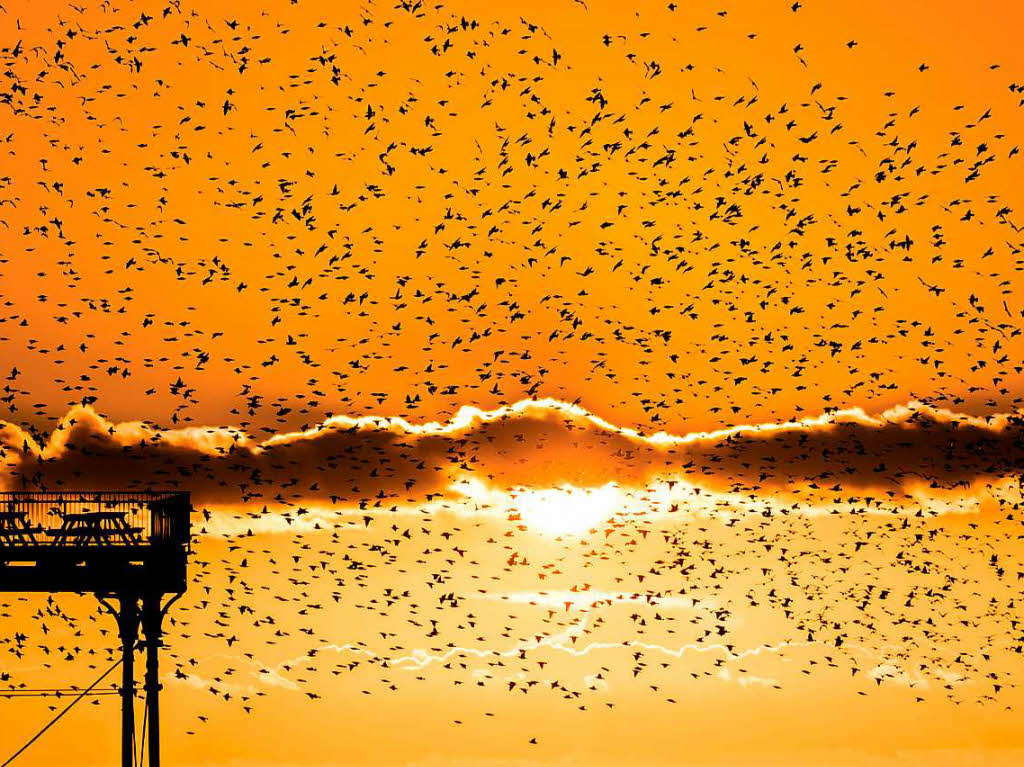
(7, 694)
(57, 718)
(65, 690)
(145, 721)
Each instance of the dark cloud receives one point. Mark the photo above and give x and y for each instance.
(379, 461)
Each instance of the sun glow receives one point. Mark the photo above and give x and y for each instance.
(567, 510)
(563, 510)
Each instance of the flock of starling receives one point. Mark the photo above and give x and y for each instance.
(425, 260)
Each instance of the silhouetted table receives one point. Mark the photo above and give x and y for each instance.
(95, 527)
(14, 528)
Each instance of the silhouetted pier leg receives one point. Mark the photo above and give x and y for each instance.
(151, 619)
(128, 626)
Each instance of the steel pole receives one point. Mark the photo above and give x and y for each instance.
(151, 619)
(128, 624)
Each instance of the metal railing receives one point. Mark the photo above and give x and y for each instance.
(94, 518)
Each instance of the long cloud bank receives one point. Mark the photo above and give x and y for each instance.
(532, 443)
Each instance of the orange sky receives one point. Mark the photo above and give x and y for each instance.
(228, 233)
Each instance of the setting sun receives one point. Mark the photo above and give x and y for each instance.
(566, 510)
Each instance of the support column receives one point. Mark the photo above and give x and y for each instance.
(151, 620)
(128, 626)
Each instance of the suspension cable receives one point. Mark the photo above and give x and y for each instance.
(145, 721)
(64, 690)
(7, 694)
(57, 718)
